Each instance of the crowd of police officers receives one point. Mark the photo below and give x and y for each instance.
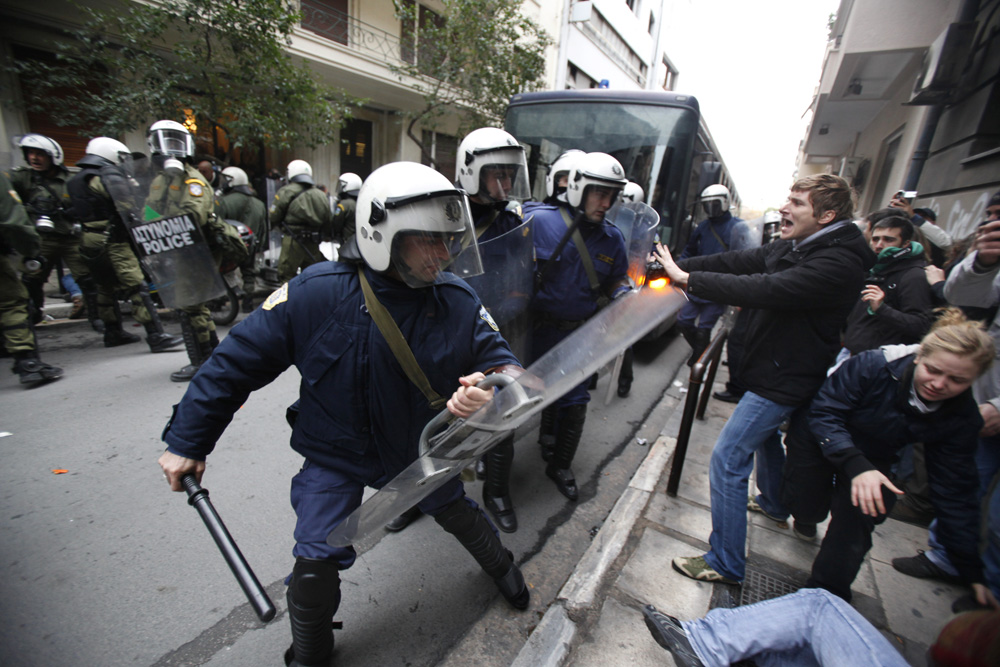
(386, 313)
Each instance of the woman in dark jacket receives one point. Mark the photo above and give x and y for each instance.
(867, 411)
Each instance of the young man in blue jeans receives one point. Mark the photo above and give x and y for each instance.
(801, 289)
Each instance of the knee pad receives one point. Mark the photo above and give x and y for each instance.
(315, 583)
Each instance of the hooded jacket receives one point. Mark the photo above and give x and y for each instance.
(801, 295)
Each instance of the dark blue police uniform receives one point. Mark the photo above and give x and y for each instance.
(358, 418)
(698, 312)
(564, 300)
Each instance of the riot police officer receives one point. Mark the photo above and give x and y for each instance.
(557, 177)
(17, 234)
(107, 247)
(180, 189)
(581, 265)
(348, 186)
(302, 211)
(327, 322)
(42, 187)
(238, 202)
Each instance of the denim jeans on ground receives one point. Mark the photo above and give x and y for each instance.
(752, 429)
(988, 467)
(810, 627)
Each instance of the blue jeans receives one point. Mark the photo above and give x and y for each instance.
(988, 467)
(810, 627)
(752, 429)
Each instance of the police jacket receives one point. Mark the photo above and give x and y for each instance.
(344, 225)
(505, 284)
(800, 296)
(862, 417)
(302, 207)
(17, 232)
(704, 242)
(905, 314)
(244, 207)
(175, 194)
(564, 292)
(45, 194)
(354, 398)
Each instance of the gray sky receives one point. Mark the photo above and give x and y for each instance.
(753, 67)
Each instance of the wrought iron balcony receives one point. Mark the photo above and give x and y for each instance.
(342, 28)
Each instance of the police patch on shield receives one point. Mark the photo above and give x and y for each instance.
(278, 296)
(486, 317)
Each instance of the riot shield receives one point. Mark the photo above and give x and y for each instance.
(172, 250)
(446, 453)
(637, 222)
(505, 285)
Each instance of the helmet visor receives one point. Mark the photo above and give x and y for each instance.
(712, 207)
(174, 143)
(503, 181)
(433, 230)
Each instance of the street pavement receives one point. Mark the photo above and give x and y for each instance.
(597, 620)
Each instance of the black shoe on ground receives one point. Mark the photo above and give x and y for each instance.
(162, 342)
(804, 531)
(967, 602)
(512, 586)
(564, 479)
(247, 305)
(185, 374)
(727, 396)
(593, 383)
(922, 567)
(669, 633)
(116, 337)
(502, 511)
(33, 371)
(624, 387)
(403, 520)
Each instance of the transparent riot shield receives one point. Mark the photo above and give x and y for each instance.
(172, 250)
(637, 222)
(445, 453)
(505, 285)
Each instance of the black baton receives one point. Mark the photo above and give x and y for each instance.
(198, 498)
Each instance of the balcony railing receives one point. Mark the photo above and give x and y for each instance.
(344, 29)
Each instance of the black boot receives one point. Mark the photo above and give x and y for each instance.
(194, 350)
(403, 520)
(496, 490)
(158, 339)
(547, 432)
(34, 371)
(702, 337)
(114, 335)
(247, 305)
(472, 529)
(89, 289)
(313, 598)
(571, 421)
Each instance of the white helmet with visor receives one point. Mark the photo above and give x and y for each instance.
(491, 167)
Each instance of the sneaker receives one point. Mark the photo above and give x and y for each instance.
(696, 568)
(804, 531)
(922, 567)
(754, 506)
(669, 633)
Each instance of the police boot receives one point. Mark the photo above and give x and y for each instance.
(313, 598)
(194, 350)
(702, 337)
(114, 335)
(158, 339)
(32, 370)
(496, 490)
(89, 289)
(571, 421)
(472, 529)
(547, 432)
(36, 297)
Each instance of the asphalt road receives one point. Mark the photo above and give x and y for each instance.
(102, 565)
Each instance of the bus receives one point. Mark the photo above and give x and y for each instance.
(659, 138)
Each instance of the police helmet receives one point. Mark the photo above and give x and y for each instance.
(412, 219)
(233, 177)
(560, 167)
(348, 184)
(593, 169)
(171, 139)
(112, 150)
(300, 171)
(487, 151)
(42, 143)
(633, 193)
(715, 200)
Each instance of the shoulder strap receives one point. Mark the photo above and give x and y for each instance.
(711, 228)
(394, 337)
(581, 247)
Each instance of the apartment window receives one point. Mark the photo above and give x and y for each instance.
(652, 22)
(416, 46)
(890, 149)
(327, 18)
(670, 77)
(443, 148)
(577, 79)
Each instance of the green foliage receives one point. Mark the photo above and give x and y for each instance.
(223, 59)
(468, 60)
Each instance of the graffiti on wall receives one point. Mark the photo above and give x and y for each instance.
(959, 215)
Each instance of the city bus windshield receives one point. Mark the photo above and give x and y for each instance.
(654, 143)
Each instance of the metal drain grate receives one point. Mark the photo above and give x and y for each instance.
(758, 587)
